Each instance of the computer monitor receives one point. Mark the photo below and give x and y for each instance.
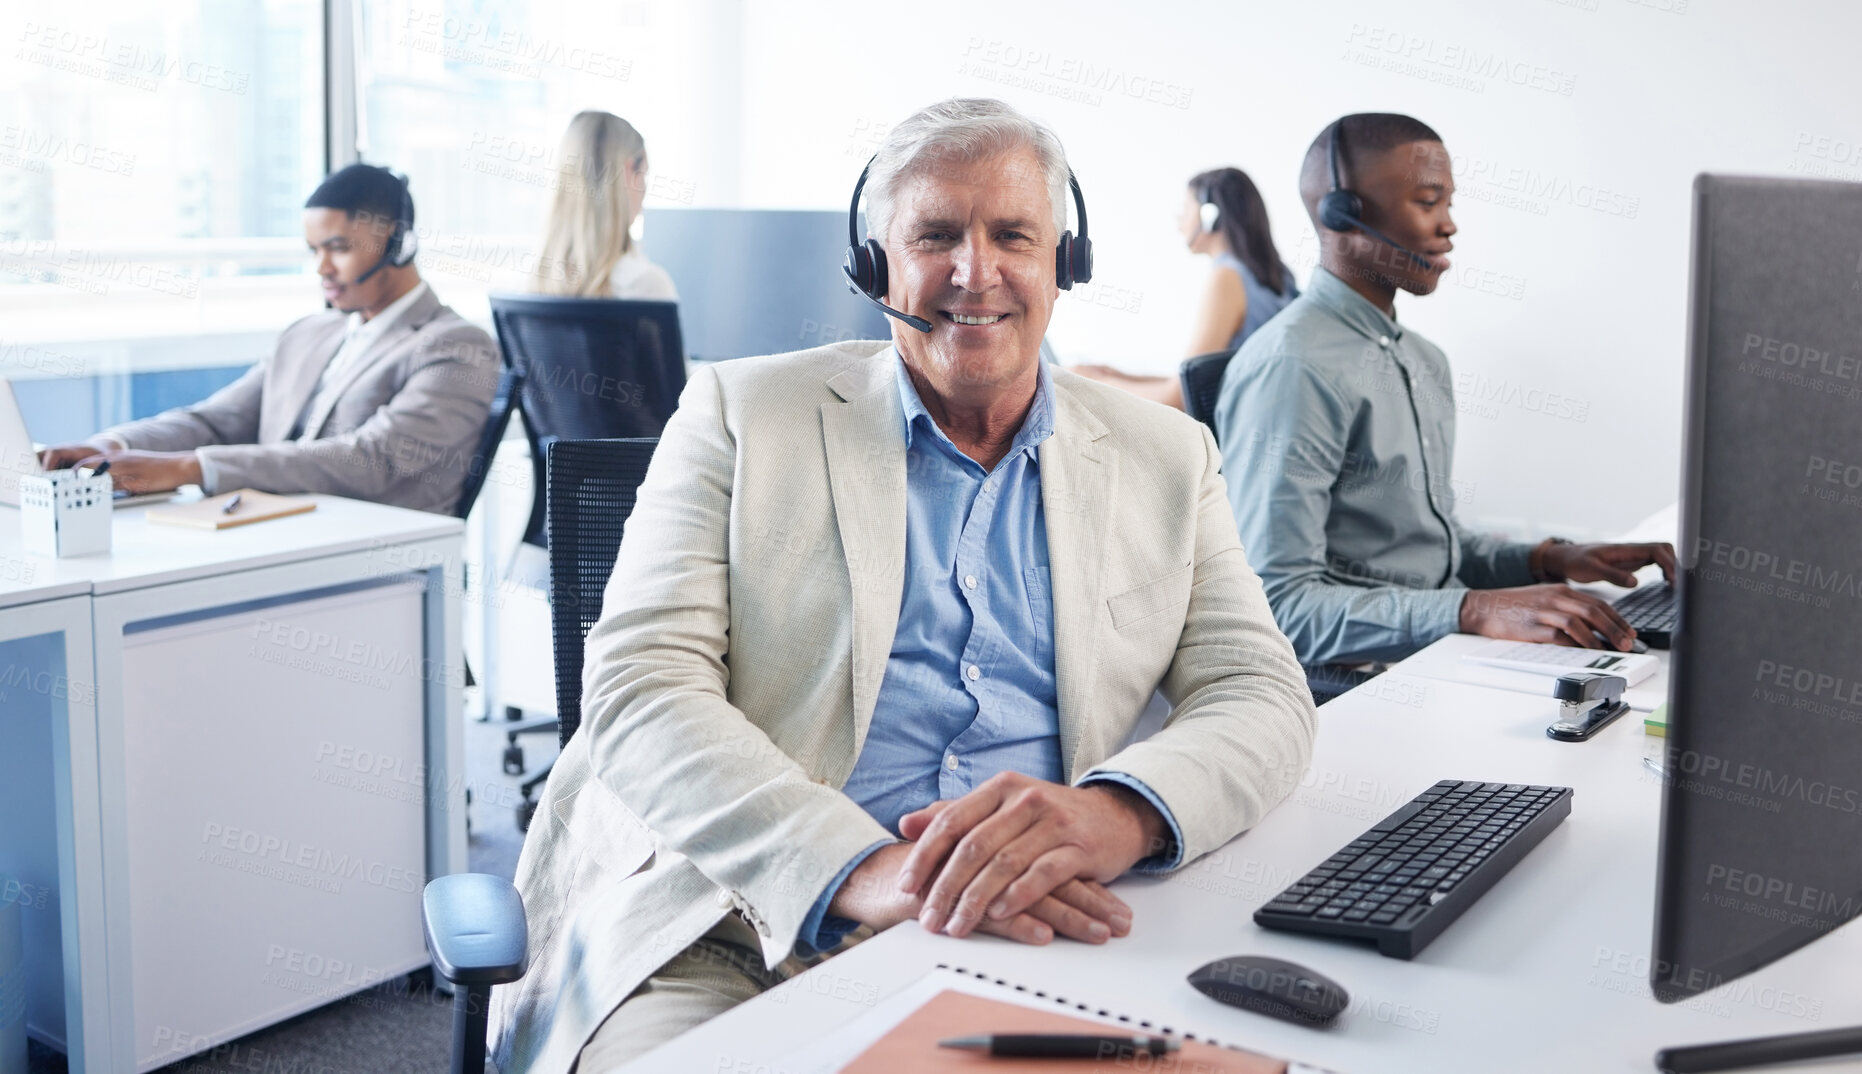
(1761, 837)
(759, 281)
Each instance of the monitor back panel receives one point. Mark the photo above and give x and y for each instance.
(1762, 811)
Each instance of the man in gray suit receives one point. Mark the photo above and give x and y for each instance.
(878, 640)
(382, 397)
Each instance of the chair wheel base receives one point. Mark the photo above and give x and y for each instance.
(526, 812)
(513, 760)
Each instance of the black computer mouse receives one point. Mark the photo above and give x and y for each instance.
(1272, 987)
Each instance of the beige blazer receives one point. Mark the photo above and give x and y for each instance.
(729, 684)
(399, 428)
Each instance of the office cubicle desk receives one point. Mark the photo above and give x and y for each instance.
(248, 740)
(1546, 972)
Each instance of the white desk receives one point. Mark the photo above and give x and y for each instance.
(253, 766)
(1547, 972)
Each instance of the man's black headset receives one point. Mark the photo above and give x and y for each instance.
(1342, 209)
(865, 263)
(402, 243)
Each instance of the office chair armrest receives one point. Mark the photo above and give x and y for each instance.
(476, 931)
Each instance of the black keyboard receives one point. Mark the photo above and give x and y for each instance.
(1651, 610)
(1413, 873)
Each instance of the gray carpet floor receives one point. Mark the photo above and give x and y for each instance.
(401, 1026)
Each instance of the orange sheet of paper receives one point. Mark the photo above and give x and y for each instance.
(911, 1047)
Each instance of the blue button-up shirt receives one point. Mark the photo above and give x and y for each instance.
(969, 689)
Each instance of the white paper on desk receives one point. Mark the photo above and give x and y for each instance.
(1444, 661)
(845, 1044)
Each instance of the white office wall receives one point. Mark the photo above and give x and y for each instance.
(1576, 128)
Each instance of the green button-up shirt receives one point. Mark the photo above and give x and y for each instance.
(1338, 437)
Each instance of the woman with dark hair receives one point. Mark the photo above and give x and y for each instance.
(1223, 217)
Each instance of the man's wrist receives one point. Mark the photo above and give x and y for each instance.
(1152, 833)
(1547, 561)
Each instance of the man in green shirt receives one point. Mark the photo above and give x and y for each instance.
(1338, 436)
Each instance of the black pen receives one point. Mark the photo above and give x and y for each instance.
(1061, 1045)
(101, 468)
(227, 508)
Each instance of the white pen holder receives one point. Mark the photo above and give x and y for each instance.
(65, 512)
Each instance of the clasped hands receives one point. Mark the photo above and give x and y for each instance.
(1018, 857)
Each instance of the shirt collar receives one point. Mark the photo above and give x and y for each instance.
(384, 320)
(1358, 312)
(1036, 427)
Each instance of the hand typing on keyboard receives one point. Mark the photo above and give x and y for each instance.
(1554, 613)
(1613, 563)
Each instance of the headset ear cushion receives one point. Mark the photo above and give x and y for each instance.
(402, 246)
(1081, 250)
(858, 272)
(877, 282)
(1341, 210)
(1063, 262)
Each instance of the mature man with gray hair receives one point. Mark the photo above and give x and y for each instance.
(879, 637)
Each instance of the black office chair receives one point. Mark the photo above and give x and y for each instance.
(475, 921)
(1202, 383)
(591, 487)
(497, 420)
(584, 368)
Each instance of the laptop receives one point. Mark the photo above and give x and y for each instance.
(19, 459)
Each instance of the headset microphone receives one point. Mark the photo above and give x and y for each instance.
(865, 262)
(1342, 209)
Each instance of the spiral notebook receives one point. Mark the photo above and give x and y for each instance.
(899, 1035)
(911, 1046)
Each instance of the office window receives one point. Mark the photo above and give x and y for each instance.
(154, 158)
(129, 121)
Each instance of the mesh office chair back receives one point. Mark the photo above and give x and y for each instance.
(591, 492)
(588, 368)
(1202, 383)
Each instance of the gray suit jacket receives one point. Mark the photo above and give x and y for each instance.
(746, 628)
(400, 428)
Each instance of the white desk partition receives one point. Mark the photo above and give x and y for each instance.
(1547, 972)
(267, 769)
(51, 850)
(263, 762)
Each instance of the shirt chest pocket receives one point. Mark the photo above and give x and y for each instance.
(1142, 603)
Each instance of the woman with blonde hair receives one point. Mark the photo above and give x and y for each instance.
(588, 250)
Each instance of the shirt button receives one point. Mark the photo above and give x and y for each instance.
(969, 581)
(1383, 341)
(724, 897)
(974, 673)
(950, 761)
